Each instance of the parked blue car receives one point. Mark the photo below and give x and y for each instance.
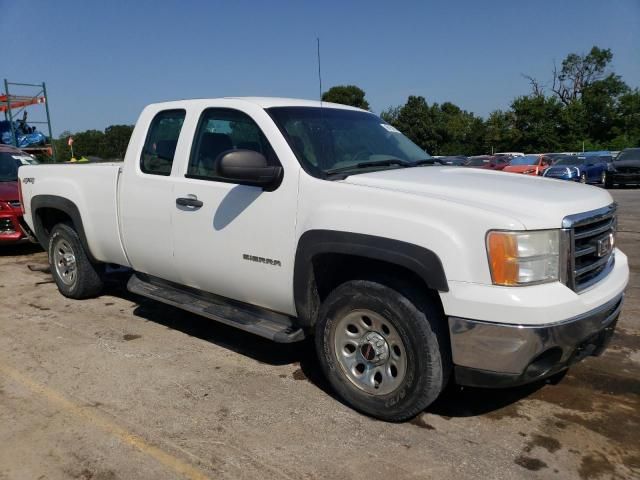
(586, 167)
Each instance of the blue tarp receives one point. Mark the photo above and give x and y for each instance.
(25, 136)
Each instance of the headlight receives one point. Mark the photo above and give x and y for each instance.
(522, 258)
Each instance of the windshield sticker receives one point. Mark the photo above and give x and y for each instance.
(24, 159)
(389, 128)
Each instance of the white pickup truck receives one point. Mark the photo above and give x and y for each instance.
(290, 218)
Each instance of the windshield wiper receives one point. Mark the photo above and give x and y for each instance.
(378, 163)
(426, 161)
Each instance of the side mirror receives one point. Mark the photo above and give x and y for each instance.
(248, 167)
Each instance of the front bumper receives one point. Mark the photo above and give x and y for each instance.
(10, 228)
(13, 229)
(625, 178)
(487, 354)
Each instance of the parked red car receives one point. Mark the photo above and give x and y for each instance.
(489, 162)
(11, 158)
(529, 164)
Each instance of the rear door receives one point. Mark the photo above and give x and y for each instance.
(146, 197)
(238, 240)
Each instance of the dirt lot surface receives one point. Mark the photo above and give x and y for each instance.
(120, 388)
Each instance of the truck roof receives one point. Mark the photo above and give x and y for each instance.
(265, 102)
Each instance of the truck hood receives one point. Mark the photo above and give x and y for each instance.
(533, 201)
(8, 191)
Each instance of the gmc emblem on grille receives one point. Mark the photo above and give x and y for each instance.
(604, 245)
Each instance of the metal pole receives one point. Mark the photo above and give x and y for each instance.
(14, 140)
(46, 107)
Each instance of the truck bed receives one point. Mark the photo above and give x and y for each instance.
(93, 189)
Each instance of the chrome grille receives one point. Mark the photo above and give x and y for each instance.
(591, 239)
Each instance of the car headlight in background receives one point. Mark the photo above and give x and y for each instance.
(523, 258)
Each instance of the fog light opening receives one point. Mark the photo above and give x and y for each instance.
(544, 362)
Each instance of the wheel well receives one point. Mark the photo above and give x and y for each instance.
(47, 218)
(329, 270)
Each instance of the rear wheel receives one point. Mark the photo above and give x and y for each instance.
(384, 352)
(583, 177)
(75, 275)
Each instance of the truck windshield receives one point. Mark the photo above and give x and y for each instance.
(331, 140)
(9, 163)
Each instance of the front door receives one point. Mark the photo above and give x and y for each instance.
(236, 241)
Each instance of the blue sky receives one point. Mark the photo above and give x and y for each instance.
(104, 61)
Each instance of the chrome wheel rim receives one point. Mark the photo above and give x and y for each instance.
(603, 177)
(583, 178)
(64, 261)
(370, 352)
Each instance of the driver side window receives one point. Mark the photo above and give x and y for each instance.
(221, 130)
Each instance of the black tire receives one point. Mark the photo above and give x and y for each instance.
(421, 327)
(608, 182)
(86, 281)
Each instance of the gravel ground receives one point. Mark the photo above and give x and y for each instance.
(120, 387)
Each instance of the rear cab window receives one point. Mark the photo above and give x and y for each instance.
(162, 139)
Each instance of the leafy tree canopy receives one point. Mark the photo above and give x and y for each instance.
(346, 95)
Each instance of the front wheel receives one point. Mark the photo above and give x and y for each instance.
(384, 353)
(76, 276)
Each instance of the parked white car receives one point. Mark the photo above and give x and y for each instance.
(509, 154)
(289, 218)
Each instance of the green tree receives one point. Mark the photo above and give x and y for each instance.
(600, 100)
(590, 110)
(89, 142)
(536, 123)
(578, 72)
(458, 131)
(499, 131)
(415, 120)
(116, 139)
(346, 95)
(109, 145)
(626, 128)
(390, 115)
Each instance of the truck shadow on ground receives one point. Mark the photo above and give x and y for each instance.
(19, 249)
(454, 401)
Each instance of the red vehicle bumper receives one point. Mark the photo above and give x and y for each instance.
(10, 229)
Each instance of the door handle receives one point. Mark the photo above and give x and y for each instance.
(189, 202)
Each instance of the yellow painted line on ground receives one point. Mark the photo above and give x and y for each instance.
(90, 415)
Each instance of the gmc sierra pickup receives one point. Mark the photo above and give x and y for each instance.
(289, 218)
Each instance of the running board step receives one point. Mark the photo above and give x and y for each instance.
(267, 324)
